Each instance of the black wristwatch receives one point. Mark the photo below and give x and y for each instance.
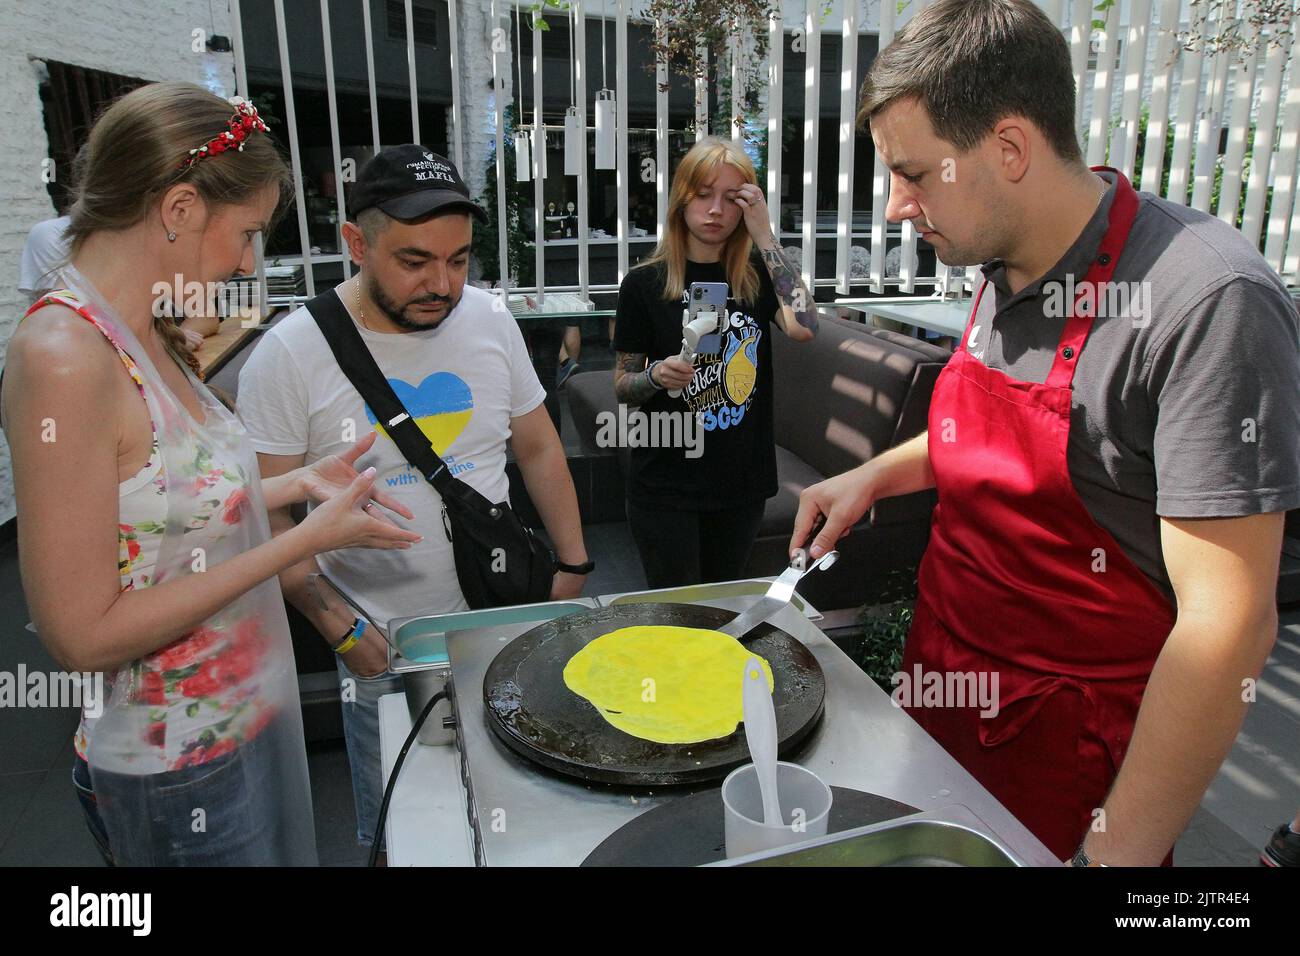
(584, 568)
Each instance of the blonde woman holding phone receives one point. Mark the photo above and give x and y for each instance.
(694, 512)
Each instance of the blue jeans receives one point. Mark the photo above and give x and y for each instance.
(233, 793)
(90, 807)
(360, 701)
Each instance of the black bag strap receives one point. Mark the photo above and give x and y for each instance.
(363, 372)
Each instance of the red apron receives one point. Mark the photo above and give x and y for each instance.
(1020, 582)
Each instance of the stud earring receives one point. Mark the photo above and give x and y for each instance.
(171, 237)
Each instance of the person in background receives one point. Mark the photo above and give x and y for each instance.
(695, 516)
(457, 361)
(1283, 849)
(46, 251)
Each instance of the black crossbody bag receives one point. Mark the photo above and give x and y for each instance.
(499, 559)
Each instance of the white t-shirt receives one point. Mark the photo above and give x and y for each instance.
(462, 382)
(44, 250)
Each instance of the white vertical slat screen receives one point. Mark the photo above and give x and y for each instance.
(1243, 96)
(453, 30)
(1099, 127)
(811, 107)
(1262, 148)
(539, 161)
(498, 145)
(368, 31)
(880, 176)
(1153, 158)
(702, 95)
(1291, 129)
(1248, 95)
(907, 262)
(1284, 168)
(410, 72)
(1080, 33)
(848, 108)
(580, 68)
(241, 88)
(623, 172)
(1189, 93)
(295, 157)
(336, 152)
(775, 116)
(1123, 148)
(661, 146)
(736, 105)
(1207, 129)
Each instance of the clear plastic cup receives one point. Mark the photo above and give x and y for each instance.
(805, 805)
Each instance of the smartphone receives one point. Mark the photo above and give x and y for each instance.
(706, 297)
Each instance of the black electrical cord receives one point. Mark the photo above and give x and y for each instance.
(397, 769)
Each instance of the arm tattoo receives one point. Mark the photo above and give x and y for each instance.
(631, 384)
(790, 288)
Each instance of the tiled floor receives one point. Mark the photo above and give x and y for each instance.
(41, 823)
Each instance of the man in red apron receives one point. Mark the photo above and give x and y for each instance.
(1099, 663)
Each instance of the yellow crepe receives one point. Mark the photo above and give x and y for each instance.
(672, 685)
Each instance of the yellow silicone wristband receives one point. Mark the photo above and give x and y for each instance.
(353, 639)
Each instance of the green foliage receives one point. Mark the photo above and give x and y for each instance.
(686, 26)
(885, 621)
(1100, 23)
(538, 10)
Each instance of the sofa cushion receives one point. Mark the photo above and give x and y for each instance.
(793, 476)
(839, 398)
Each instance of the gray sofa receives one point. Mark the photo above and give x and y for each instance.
(840, 400)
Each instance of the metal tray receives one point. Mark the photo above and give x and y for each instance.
(952, 836)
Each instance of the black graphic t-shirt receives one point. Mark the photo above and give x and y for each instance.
(731, 394)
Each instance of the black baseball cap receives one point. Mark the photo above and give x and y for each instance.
(409, 182)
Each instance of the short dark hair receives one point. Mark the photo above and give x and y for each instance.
(972, 63)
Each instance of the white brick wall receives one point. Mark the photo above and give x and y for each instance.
(147, 40)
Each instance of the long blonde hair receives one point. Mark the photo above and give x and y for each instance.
(130, 160)
(699, 166)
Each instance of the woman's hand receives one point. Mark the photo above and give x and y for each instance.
(750, 198)
(332, 475)
(672, 372)
(350, 519)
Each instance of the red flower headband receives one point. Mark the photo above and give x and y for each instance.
(244, 120)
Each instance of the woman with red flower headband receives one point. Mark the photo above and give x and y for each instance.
(144, 543)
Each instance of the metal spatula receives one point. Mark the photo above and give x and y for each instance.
(779, 594)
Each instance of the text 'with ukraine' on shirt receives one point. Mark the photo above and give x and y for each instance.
(412, 477)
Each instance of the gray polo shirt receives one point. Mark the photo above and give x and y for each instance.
(1187, 392)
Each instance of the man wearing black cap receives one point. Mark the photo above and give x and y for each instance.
(456, 359)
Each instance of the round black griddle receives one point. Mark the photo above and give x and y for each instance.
(690, 831)
(531, 710)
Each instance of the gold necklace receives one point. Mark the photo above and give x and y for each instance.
(361, 315)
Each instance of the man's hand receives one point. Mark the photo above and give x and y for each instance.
(673, 373)
(370, 657)
(565, 586)
(842, 500)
